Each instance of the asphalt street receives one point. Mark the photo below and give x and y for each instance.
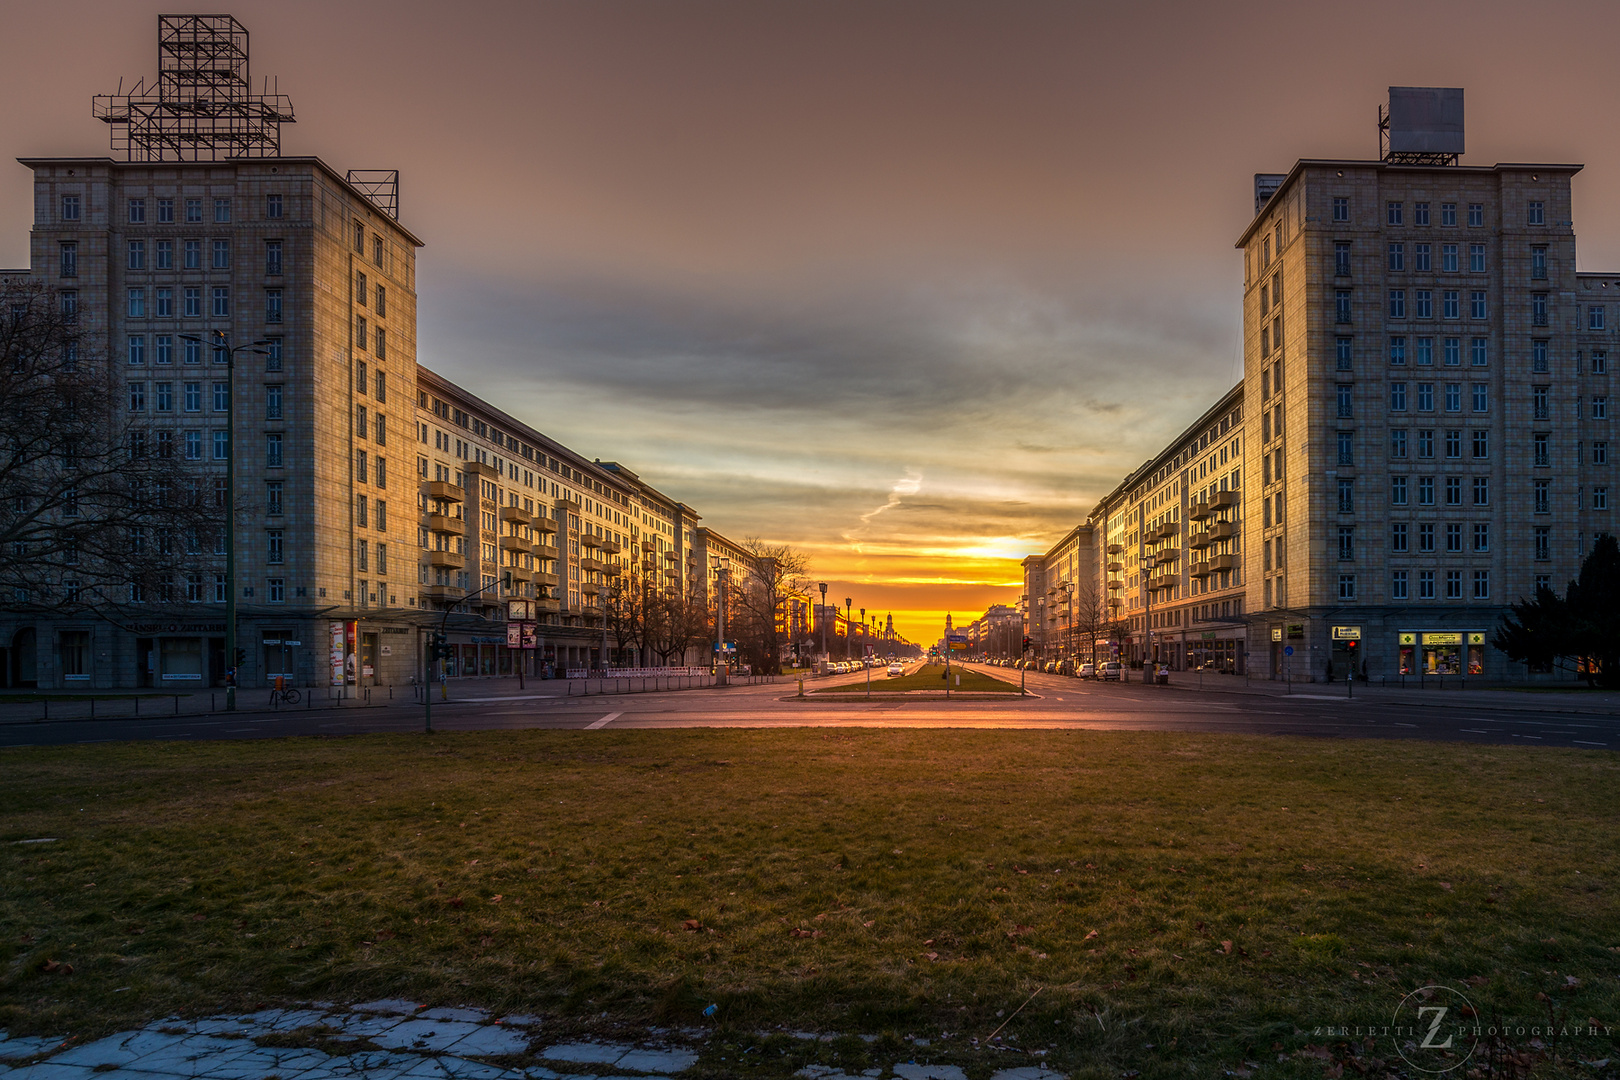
(1054, 702)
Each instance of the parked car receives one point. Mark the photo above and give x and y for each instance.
(1087, 670)
(1111, 671)
(896, 670)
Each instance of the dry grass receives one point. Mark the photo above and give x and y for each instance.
(929, 677)
(899, 882)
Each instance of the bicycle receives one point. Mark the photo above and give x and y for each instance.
(289, 695)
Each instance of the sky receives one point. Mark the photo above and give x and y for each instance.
(905, 285)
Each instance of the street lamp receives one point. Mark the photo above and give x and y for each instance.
(1148, 666)
(849, 631)
(823, 618)
(1068, 634)
(722, 567)
(220, 346)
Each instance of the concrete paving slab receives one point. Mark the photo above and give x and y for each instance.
(430, 1036)
(50, 1071)
(396, 1006)
(26, 1046)
(472, 1016)
(520, 1020)
(586, 1053)
(491, 1040)
(1029, 1072)
(657, 1061)
(910, 1071)
(459, 1068)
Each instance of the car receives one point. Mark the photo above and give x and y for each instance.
(1087, 670)
(1111, 671)
(896, 670)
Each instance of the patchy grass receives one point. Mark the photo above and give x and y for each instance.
(1180, 901)
(929, 677)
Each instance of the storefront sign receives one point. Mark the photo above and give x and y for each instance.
(1476, 637)
(1347, 633)
(1445, 637)
(388, 650)
(1276, 633)
(1296, 630)
(1408, 637)
(336, 652)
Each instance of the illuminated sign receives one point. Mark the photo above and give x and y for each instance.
(1408, 637)
(1447, 637)
(1347, 633)
(1276, 633)
(1296, 630)
(1476, 637)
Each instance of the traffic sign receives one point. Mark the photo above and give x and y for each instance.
(1288, 650)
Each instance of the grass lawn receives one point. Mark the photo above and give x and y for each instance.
(929, 677)
(1183, 903)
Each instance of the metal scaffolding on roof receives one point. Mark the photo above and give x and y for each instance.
(381, 186)
(202, 107)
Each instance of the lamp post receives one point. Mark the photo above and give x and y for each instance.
(220, 345)
(863, 635)
(823, 619)
(1148, 666)
(849, 630)
(721, 568)
(1068, 633)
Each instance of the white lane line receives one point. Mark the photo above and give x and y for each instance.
(1473, 731)
(1583, 742)
(604, 722)
(1399, 724)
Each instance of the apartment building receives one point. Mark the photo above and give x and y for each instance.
(1052, 584)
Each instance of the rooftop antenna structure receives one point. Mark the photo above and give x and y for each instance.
(381, 186)
(202, 106)
(1422, 125)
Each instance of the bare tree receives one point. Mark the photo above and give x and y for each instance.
(1093, 621)
(626, 609)
(756, 619)
(674, 623)
(92, 514)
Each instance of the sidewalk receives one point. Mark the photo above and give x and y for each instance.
(1452, 692)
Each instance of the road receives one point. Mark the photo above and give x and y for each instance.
(1055, 702)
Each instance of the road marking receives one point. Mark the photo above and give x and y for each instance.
(1474, 731)
(604, 722)
(1399, 724)
(1583, 742)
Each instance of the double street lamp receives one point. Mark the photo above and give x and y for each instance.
(221, 345)
(722, 568)
(823, 618)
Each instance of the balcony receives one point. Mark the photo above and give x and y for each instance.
(517, 514)
(543, 550)
(444, 489)
(447, 558)
(450, 594)
(548, 605)
(1169, 528)
(518, 573)
(611, 547)
(1222, 530)
(1223, 500)
(588, 588)
(1199, 570)
(594, 565)
(1112, 585)
(1167, 554)
(1222, 562)
(1198, 541)
(1116, 567)
(590, 540)
(544, 524)
(481, 468)
(672, 555)
(515, 543)
(444, 523)
(613, 570)
(1115, 549)
(542, 578)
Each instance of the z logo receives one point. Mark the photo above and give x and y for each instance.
(1428, 1042)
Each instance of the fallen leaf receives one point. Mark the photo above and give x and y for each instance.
(693, 925)
(497, 898)
(932, 955)
(930, 941)
(1226, 947)
(472, 862)
(868, 922)
(1178, 957)
(49, 966)
(1446, 885)
(1571, 982)
(1089, 936)
(456, 901)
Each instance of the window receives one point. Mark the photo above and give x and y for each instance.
(272, 305)
(1482, 491)
(1453, 584)
(222, 211)
(1538, 309)
(1423, 303)
(1397, 536)
(1600, 407)
(1425, 491)
(361, 560)
(361, 290)
(278, 590)
(193, 254)
(1347, 586)
(272, 256)
(1543, 492)
(272, 497)
(1448, 214)
(1450, 304)
(1341, 300)
(1347, 448)
(1345, 398)
(1397, 351)
(272, 546)
(193, 396)
(382, 387)
(137, 255)
(1397, 443)
(1341, 209)
(219, 588)
(1397, 397)
(70, 259)
(361, 471)
(377, 250)
(1600, 498)
(137, 397)
(360, 376)
(1476, 305)
(1452, 349)
(382, 302)
(137, 349)
(222, 302)
(222, 446)
(1453, 397)
(360, 331)
(222, 397)
(165, 303)
(137, 211)
(1539, 402)
(272, 450)
(1482, 445)
(272, 206)
(1453, 491)
(382, 472)
(1538, 355)
(1477, 355)
(1425, 352)
(1347, 496)
(1476, 258)
(1425, 397)
(165, 397)
(360, 504)
(1420, 259)
(1397, 303)
(382, 525)
(193, 211)
(1392, 213)
(1543, 543)
(1482, 536)
(1476, 215)
(359, 238)
(272, 357)
(1397, 490)
(1600, 452)
(1534, 214)
(222, 254)
(70, 208)
(137, 303)
(1481, 396)
(1426, 538)
(380, 343)
(1397, 585)
(1538, 262)
(361, 421)
(1425, 584)
(1453, 444)
(1397, 258)
(1342, 354)
(272, 401)
(1448, 258)
(192, 299)
(165, 254)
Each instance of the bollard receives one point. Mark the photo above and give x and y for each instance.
(801, 686)
(177, 704)
(47, 703)
(92, 706)
(137, 704)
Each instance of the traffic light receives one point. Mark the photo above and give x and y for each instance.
(438, 648)
(506, 581)
(241, 657)
(1026, 641)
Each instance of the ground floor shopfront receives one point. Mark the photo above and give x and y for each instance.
(1385, 645)
(1223, 650)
